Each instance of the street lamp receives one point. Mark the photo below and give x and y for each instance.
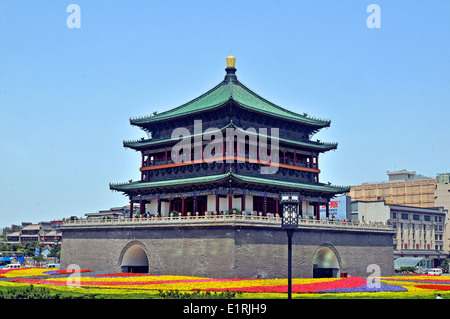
(289, 222)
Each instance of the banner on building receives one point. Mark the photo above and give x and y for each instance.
(340, 208)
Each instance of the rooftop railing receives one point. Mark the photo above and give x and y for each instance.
(255, 220)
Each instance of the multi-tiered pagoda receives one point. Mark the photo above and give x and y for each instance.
(228, 150)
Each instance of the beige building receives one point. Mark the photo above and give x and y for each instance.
(403, 188)
(409, 189)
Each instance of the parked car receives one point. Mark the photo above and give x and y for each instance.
(12, 266)
(52, 266)
(435, 271)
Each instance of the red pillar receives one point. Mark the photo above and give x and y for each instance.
(141, 207)
(217, 203)
(300, 209)
(317, 211)
(182, 206)
(328, 210)
(195, 205)
(159, 207)
(243, 202)
(265, 205)
(230, 201)
(277, 206)
(170, 205)
(131, 208)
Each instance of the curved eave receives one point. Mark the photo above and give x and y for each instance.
(140, 145)
(143, 122)
(287, 114)
(327, 188)
(135, 186)
(169, 113)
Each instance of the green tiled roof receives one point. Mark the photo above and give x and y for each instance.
(231, 90)
(171, 182)
(214, 178)
(319, 146)
(313, 187)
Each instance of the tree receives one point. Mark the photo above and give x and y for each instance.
(39, 258)
(55, 251)
(445, 264)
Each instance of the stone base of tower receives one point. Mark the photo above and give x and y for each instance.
(228, 250)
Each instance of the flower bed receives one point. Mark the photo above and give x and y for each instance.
(22, 272)
(124, 274)
(66, 271)
(313, 287)
(127, 283)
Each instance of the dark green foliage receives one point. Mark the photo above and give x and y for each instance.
(174, 294)
(32, 292)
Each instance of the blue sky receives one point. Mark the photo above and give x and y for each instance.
(66, 95)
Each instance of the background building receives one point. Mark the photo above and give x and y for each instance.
(420, 231)
(408, 188)
(112, 213)
(402, 188)
(46, 233)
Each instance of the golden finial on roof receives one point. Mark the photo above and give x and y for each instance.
(230, 61)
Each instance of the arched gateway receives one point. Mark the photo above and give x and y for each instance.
(134, 258)
(326, 262)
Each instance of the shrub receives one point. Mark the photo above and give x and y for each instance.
(235, 211)
(32, 292)
(175, 294)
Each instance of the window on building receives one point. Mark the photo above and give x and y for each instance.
(404, 216)
(394, 225)
(416, 217)
(394, 215)
(427, 218)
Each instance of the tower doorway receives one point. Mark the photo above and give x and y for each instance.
(326, 264)
(134, 260)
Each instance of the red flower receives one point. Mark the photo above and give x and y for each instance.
(434, 287)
